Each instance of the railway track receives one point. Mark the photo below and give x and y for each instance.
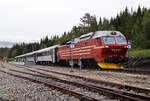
(143, 72)
(64, 88)
(59, 86)
(139, 90)
(117, 91)
(132, 71)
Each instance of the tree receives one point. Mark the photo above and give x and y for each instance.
(94, 26)
(89, 23)
(146, 28)
(105, 24)
(135, 26)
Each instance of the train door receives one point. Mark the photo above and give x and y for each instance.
(98, 41)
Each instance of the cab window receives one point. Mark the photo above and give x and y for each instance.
(109, 40)
(120, 40)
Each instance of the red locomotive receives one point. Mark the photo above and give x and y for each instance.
(107, 49)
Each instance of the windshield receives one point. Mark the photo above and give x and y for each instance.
(120, 40)
(109, 40)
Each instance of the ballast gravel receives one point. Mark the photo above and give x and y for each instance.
(136, 80)
(16, 89)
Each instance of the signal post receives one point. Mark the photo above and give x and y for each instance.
(129, 46)
(72, 45)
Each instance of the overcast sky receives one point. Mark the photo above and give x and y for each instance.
(31, 20)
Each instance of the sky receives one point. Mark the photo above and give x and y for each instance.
(31, 20)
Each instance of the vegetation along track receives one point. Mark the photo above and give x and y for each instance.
(118, 91)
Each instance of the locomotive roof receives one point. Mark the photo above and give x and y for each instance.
(97, 34)
(107, 33)
(86, 35)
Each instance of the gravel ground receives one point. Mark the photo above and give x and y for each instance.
(16, 89)
(64, 85)
(136, 80)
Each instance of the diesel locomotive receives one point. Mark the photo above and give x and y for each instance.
(106, 49)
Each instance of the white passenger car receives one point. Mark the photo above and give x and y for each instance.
(46, 55)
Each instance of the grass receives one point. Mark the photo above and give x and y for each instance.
(140, 53)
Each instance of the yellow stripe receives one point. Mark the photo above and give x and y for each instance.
(89, 46)
(99, 47)
(76, 51)
(78, 48)
(76, 54)
(82, 53)
(65, 53)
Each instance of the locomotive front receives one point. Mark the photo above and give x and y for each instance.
(110, 51)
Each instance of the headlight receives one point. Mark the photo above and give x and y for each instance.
(106, 46)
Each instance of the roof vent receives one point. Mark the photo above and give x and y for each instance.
(113, 33)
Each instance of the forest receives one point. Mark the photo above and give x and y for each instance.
(135, 25)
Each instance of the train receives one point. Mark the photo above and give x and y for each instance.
(105, 49)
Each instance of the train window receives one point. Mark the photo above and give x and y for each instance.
(98, 41)
(48, 52)
(39, 54)
(43, 53)
(121, 40)
(109, 40)
(51, 52)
